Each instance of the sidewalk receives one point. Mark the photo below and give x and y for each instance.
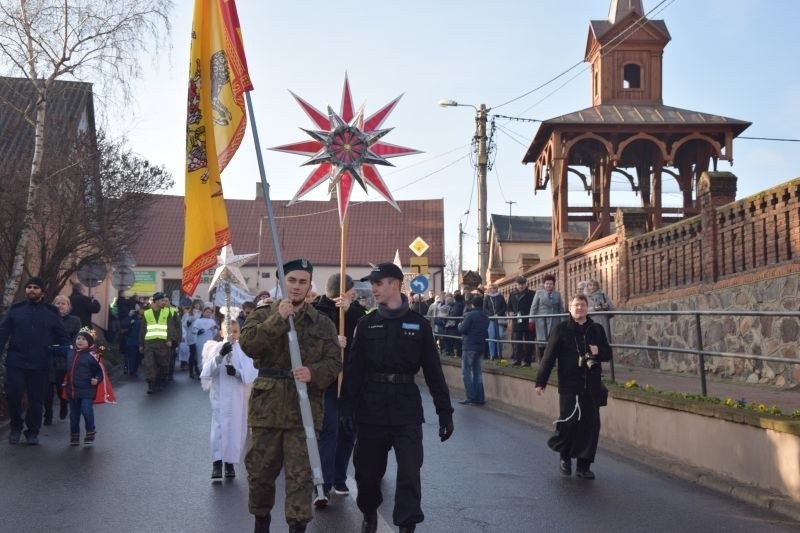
(787, 399)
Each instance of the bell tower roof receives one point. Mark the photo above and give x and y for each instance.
(619, 9)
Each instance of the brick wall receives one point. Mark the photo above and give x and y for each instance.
(740, 255)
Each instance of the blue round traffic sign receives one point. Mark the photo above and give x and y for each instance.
(419, 284)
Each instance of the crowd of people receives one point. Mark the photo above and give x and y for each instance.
(355, 363)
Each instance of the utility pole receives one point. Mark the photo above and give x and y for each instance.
(460, 253)
(483, 160)
(510, 203)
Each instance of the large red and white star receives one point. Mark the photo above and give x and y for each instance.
(346, 148)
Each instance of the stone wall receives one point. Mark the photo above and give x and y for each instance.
(772, 336)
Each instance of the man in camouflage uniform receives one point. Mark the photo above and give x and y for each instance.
(159, 334)
(278, 439)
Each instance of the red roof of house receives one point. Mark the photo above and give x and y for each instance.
(306, 229)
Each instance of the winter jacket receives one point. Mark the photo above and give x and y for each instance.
(82, 366)
(30, 329)
(567, 342)
(473, 330)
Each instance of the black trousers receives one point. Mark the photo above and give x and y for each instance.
(21, 382)
(369, 459)
(522, 353)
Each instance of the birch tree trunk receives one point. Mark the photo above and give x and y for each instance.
(21, 250)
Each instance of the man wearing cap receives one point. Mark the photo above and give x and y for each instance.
(278, 437)
(381, 399)
(519, 305)
(31, 328)
(335, 447)
(160, 333)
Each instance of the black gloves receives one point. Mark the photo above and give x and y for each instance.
(230, 370)
(347, 425)
(226, 349)
(445, 426)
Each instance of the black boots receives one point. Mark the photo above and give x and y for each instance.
(296, 527)
(216, 471)
(150, 389)
(262, 524)
(229, 471)
(370, 523)
(62, 413)
(408, 529)
(582, 469)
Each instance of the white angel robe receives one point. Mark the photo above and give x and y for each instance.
(229, 396)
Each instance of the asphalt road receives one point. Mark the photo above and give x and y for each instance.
(149, 472)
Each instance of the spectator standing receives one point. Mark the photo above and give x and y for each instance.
(473, 330)
(419, 305)
(83, 306)
(579, 346)
(80, 387)
(547, 301)
(30, 328)
(519, 304)
(58, 361)
(227, 375)
(335, 447)
(599, 301)
(457, 311)
(446, 326)
(379, 395)
(278, 436)
(494, 304)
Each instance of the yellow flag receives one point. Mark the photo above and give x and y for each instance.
(215, 125)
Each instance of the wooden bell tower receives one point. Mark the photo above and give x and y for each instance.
(628, 132)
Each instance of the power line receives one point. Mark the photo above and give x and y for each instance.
(770, 139)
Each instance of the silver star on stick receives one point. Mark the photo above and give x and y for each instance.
(228, 268)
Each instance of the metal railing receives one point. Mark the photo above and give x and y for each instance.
(698, 351)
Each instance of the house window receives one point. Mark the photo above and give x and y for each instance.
(632, 76)
(595, 83)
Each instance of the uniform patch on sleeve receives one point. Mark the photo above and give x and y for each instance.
(410, 326)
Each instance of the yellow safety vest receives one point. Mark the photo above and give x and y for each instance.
(156, 330)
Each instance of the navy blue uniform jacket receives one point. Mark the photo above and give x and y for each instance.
(400, 345)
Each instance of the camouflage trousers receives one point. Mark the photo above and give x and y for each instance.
(270, 450)
(156, 359)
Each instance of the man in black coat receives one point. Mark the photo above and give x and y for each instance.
(83, 306)
(379, 394)
(31, 328)
(519, 304)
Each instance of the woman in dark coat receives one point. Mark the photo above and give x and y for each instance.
(58, 361)
(579, 345)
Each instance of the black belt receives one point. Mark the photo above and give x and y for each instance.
(275, 373)
(391, 378)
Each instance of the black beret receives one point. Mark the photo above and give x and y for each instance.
(297, 264)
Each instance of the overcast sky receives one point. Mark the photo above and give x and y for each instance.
(728, 57)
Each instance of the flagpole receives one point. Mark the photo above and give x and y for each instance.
(294, 346)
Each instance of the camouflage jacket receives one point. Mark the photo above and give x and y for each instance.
(274, 402)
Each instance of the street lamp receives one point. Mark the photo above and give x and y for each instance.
(481, 114)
